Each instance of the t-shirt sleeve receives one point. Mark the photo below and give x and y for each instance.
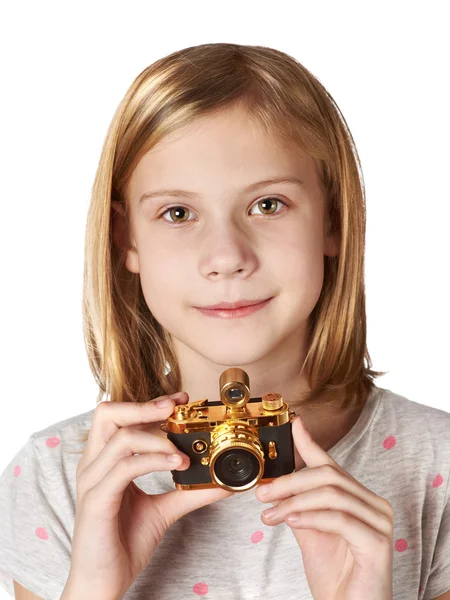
(33, 544)
(439, 578)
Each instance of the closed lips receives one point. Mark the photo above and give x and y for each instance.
(233, 305)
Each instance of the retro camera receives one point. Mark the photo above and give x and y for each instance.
(233, 443)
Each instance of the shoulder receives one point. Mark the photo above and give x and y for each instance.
(416, 438)
(67, 426)
(37, 507)
(401, 413)
(401, 451)
(60, 439)
(43, 469)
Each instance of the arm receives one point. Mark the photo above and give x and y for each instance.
(445, 596)
(21, 593)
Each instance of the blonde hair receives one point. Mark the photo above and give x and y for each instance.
(128, 350)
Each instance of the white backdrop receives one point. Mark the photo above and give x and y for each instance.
(66, 67)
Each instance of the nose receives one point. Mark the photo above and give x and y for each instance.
(228, 251)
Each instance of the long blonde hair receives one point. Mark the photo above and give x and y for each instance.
(128, 350)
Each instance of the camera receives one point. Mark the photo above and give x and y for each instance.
(235, 442)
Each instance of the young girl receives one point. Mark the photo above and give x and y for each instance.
(229, 176)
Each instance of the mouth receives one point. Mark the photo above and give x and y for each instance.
(233, 305)
(233, 313)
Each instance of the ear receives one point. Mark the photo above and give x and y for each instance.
(121, 238)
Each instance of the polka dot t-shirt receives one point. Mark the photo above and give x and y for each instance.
(398, 448)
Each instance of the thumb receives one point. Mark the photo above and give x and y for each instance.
(181, 502)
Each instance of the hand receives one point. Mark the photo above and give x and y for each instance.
(344, 530)
(117, 525)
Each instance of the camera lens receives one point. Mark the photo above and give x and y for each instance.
(236, 467)
(234, 394)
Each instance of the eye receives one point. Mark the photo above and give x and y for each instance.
(175, 211)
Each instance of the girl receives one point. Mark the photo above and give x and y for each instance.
(229, 176)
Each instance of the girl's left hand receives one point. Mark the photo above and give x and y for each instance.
(344, 530)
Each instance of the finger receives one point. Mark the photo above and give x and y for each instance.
(105, 498)
(295, 483)
(329, 497)
(362, 539)
(156, 425)
(309, 450)
(177, 503)
(109, 417)
(125, 442)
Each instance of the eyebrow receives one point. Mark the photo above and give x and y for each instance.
(249, 188)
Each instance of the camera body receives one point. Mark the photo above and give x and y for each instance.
(235, 442)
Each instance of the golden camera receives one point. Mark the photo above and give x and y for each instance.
(233, 443)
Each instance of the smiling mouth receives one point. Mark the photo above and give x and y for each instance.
(231, 313)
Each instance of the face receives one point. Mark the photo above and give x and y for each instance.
(227, 244)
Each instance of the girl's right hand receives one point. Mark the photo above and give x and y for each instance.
(117, 525)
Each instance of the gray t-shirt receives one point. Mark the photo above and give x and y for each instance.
(398, 448)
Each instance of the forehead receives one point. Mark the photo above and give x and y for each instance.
(227, 147)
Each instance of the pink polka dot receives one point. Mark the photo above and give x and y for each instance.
(52, 442)
(438, 480)
(401, 545)
(41, 533)
(389, 442)
(257, 536)
(17, 471)
(201, 589)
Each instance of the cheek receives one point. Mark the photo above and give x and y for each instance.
(297, 273)
(298, 264)
(160, 281)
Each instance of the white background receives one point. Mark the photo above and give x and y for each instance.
(65, 69)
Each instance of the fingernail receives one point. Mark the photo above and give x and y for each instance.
(292, 518)
(176, 395)
(263, 490)
(175, 458)
(163, 403)
(267, 514)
